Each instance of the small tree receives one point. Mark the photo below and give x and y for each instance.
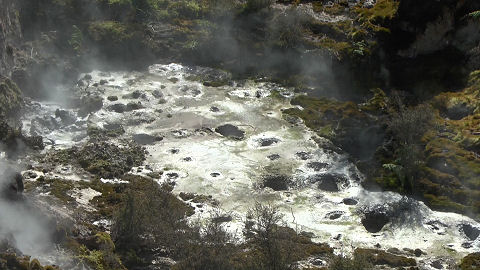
(407, 126)
(263, 231)
(150, 218)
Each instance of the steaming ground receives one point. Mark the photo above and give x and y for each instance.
(175, 116)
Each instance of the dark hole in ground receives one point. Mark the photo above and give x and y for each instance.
(230, 131)
(276, 182)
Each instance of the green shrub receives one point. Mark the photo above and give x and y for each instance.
(189, 9)
(358, 262)
(149, 217)
(285, 30)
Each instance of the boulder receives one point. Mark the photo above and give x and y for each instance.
(375, 220)
(350, 201)
(143, 138)
(89, 105)
(471, 232)
(230, 131)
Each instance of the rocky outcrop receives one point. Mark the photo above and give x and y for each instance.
(11, 99)
(10, 35)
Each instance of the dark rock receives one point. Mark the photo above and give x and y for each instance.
(334, 215)
(112, 98)
(230, 131)
(118, 108)
(467, 245)
(132, 106)
(276, 182)
(470, 231)
(273, 156)
(30, 175)
(263, 142)
(66, 117)
(103, 82)
(136, 94)
(13, 184)
(215, 174)
(157, 94)
(187, 159)
(214, 109)
(174, 151)
(222, 219)
(143, 138)
(317, 166)
(437, 264)
(303, 155)
(172, 175)
(90, 104)
(349, 201)
(374, 220)
(435, 224)
(418, 252)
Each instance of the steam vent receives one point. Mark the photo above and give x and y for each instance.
(240, 135)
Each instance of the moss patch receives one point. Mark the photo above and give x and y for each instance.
(11, 100)
(380, 257)
(471, 262)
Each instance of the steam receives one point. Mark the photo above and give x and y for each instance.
(21, 226)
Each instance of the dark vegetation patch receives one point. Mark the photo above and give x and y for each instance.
(470, 262)
(380, 257)
(11, 98)
(103, 159)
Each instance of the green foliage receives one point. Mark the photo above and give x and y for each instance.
(103, 159)
(471, 262)
(474, 14)
(407, 127)
(286, 29)
(76, 40)
(109, 31)
(103, 257)
(381, 257)
(149, 217)
(376, 17)
(274, 246)
(190, 9)
(11, 99)
(358, 262)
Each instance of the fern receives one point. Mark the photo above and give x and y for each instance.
(474, 14)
